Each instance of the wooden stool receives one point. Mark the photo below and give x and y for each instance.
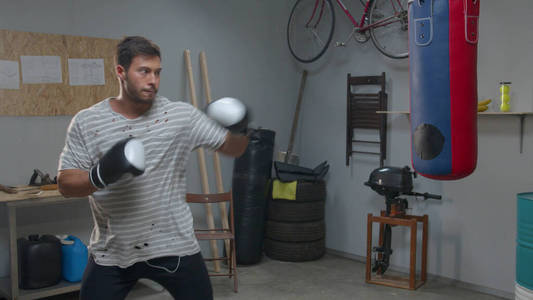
(395, 281)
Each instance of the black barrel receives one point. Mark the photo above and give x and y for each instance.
(251, 179)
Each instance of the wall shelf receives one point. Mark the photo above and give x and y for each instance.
(60, 288)
(29, 197)
(521, 115)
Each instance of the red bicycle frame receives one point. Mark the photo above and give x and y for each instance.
(361, 23)
(349, 15)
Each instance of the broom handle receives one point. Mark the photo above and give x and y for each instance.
(216, 158)
(296, 115)
(201, 161)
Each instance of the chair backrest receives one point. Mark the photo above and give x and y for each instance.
(213, 198)
(209, 198)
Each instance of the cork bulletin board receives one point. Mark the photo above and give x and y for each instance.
(53, 99)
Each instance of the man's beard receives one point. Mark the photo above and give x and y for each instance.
(136, 95)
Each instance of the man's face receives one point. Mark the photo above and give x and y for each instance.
(141, 80)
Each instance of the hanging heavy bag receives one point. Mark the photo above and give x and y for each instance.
(443, 38)
(251, 178)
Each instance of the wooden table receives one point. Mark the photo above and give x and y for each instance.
(26, 197)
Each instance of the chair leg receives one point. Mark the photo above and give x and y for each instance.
(229, 259)
(234, 266)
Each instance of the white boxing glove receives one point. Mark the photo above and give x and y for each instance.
(229, 112)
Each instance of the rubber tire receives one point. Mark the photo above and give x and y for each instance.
(310, 190)
(295, 252)
(312, 59)
(282, 210)
(295, 232)
(376, 43)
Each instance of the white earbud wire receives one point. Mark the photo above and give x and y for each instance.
(163, 268)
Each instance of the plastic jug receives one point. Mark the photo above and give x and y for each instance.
(74, 258)
(39, 259)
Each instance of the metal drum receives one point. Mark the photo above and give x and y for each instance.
(524, 247)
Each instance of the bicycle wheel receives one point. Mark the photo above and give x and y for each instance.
(310, 29)
(388, 27)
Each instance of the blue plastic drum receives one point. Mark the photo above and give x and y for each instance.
(524, 247)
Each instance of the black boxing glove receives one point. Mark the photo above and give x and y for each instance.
(126, 156)
(230, 113)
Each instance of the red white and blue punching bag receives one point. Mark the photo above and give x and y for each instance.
(443, 38)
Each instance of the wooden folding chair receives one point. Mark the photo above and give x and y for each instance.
(361, 114)
(219, 233)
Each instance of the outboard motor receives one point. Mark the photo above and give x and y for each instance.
(392, 182)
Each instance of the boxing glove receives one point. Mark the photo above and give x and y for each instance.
(230, 113)
(126, 156)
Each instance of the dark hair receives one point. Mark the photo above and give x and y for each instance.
(132, 46)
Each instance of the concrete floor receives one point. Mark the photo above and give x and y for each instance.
(331, 277)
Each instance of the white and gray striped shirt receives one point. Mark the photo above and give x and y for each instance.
(144, 217)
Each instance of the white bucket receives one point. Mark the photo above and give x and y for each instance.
(522, 293)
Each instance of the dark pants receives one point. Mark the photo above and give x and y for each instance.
(189, 282)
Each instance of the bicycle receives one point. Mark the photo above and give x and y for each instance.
(312, 22)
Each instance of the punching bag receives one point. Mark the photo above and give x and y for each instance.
(251, 179)
(443, 38)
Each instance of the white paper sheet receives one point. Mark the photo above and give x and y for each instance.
(41, 69)
(9, 75)
(86, 71)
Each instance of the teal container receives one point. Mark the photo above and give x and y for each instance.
(524, 247)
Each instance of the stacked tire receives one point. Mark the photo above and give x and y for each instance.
(295, 229)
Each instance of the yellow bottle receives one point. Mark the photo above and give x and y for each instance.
(504, 95)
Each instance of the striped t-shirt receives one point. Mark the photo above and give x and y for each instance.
(140, 218)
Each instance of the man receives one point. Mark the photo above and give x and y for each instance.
(142, 224)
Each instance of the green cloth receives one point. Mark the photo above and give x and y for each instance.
(284, 190)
